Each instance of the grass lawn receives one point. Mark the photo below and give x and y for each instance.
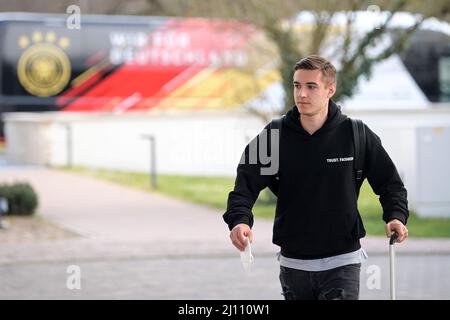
(213, 191)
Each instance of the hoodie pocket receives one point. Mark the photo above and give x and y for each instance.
(358, 231)
(278, 228)
(309, 236)
(339, 228)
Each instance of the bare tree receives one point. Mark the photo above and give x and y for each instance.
(87, 6)
(277, 19)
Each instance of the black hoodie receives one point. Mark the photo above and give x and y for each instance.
(316, 213)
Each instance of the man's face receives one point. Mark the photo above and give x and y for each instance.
(311, 93)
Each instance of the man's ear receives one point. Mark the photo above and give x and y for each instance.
(331, 89)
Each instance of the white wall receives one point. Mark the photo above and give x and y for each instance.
(192, 144)
(208, 143)
(400, 135)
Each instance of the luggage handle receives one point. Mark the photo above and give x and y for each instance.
(394, 237)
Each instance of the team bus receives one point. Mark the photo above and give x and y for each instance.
(133, 63)
(129, 63)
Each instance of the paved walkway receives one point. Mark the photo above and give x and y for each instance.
(130, 236)
(115, 221)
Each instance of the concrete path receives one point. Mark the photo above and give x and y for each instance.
(116, 221)
(134, 244)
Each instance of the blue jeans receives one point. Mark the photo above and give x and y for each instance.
(340, 283)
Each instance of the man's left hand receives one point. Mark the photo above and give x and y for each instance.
(397, 226)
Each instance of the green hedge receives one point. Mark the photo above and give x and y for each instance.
(22, 199)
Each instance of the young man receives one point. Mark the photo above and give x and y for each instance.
(317, 223)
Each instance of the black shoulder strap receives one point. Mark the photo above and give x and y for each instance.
(277, 124)
(359, 141)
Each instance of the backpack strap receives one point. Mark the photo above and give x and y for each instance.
(359, 141)
(275, 124)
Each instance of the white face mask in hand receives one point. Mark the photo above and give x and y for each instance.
(247, 257)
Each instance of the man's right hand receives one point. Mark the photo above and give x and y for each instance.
(238, 236)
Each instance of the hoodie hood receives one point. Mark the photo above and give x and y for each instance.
(334, 118)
